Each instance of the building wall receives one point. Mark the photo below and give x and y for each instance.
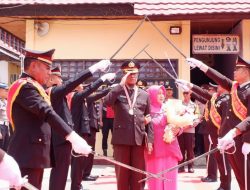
(243, 29)
(4, 75)
(14, 72)
(99, 39)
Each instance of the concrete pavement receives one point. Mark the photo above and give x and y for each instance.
(107, 180)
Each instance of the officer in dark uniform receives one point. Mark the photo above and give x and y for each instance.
(236, 111)
(57, 93)
(215, 108)
(4, 123)
(210, 135)
(131, 105)
(80, 116)
(169, 92)
(32, 117)
(142, 84)
(94, 128)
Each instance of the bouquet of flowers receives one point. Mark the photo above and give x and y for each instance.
(170, 133)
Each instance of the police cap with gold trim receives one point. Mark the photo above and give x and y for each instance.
(56, 71)
(240, 62)
(130, 66)
(44, 56)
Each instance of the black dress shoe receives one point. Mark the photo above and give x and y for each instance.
(208, 179)
(181, 170)
(90, 178)
(190, 170)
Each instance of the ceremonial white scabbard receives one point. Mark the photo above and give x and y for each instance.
(27, 185)
(210, 147)
(245, 169)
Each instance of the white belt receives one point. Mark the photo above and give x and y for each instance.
(4, 123)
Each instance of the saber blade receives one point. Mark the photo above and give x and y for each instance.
(182, 164)
(149, 174)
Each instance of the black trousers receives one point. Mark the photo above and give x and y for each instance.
(59, 173)
(77, 169)
(212, 164)
(186, 142)
(236, 161)
(88, 163)
(225, 180)
(35, 176)
(107, 126)
(5, 133)
(199, 143)
(130, 155)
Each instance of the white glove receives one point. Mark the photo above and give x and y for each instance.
(108, 76)
(192, 62)
(227, 141)
(185, 85)
(124, 79)
(9, 171)
(245, 148)
(101, 65)
(79, 145)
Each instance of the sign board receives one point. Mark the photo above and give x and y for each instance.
(215, 44)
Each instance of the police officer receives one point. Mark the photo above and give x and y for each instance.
(94, 128)
(4, 123)
(57, 93)
(169, 91)
(142, 84)
(236, 111)
(131, 105)
(187, 138)
(32, 117)
(78, 105)
(214, 112)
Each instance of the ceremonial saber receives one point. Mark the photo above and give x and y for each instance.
(164, 36)
(131, 35)
(171, 64)
(149, 174)
(209, 149)
(156, 62)
(182, 164)
(134, 56)
(27, 185)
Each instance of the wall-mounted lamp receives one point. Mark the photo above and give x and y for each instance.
(175, 30)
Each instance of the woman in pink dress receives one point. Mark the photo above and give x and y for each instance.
(165, 154)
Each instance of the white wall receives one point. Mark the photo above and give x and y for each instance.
(4, 71)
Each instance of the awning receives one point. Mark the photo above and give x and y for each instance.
(154, 7)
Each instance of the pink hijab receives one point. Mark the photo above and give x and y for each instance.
(153, 91)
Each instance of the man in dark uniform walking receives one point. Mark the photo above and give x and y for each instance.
(131, 105)
(32, 117)
(57, 93)
(236, 112)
